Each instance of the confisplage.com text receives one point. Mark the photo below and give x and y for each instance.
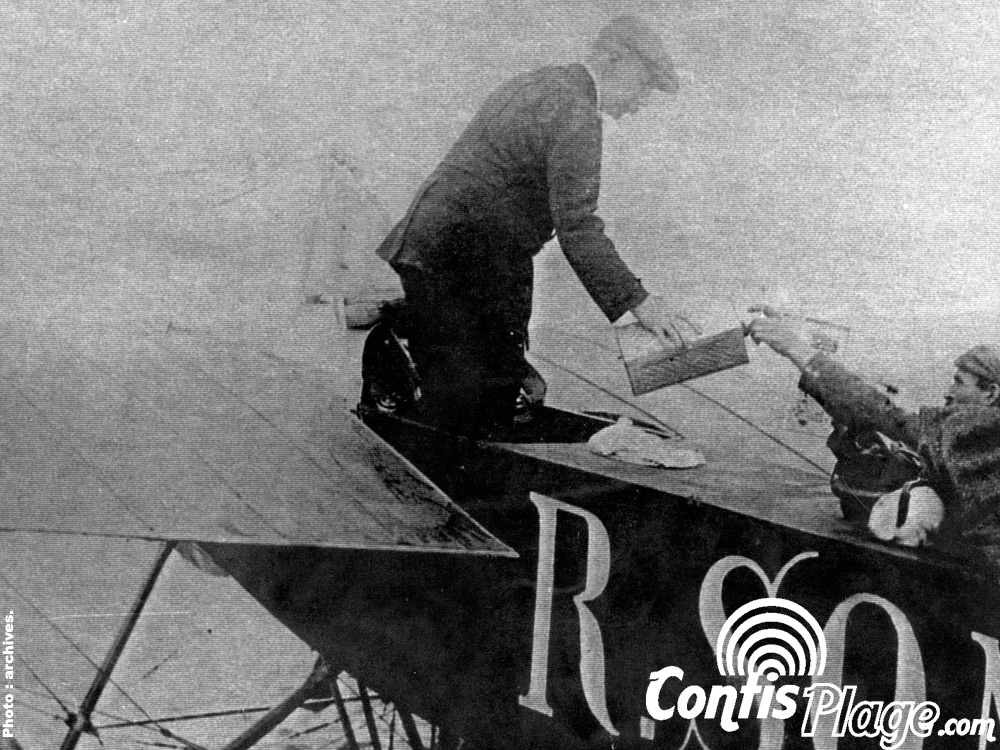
(831, 710)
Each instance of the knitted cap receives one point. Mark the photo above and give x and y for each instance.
(982, 361)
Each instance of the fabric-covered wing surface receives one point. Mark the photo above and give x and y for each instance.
(173, 436)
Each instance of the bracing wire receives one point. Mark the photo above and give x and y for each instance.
(46, 713)
(732, 412)
(124, 723)
(357, 694)
(687, 386)
(63, 634)
(96, 712)
(47, 689)
(608, 392)
(67, 712)
(163, 730)
(310, 730)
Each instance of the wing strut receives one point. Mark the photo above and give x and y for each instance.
(366, 706)
(80, 722)
(261, 727)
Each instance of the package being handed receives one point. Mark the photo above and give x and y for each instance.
(650, 366)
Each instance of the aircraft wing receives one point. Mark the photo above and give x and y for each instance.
(173, 436)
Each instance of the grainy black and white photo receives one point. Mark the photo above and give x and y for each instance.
(572, 375)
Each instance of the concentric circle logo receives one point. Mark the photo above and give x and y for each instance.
(771, 638)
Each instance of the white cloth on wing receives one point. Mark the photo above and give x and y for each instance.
(626, 442)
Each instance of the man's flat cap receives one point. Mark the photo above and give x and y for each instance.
(632, 34)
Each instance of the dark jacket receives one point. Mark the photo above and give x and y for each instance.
(960, 446)
(527, 165)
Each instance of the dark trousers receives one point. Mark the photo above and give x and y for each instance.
(467, 330)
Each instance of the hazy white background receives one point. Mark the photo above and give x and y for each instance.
(210, 164)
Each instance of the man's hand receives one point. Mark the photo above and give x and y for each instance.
(672, 328)
(782, 333)
(533, 388)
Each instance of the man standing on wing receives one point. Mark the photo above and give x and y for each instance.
(527, 166)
